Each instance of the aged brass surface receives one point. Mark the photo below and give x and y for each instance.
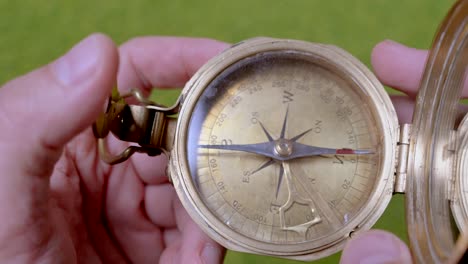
(433, 150)
(285, 148)
(144, 124)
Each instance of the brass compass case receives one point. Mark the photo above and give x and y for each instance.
(231, 165)
(288, 148)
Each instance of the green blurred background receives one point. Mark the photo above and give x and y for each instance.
(35, 32)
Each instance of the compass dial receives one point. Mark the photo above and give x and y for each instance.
(285, 153)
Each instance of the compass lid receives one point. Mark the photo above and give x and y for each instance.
(433, 144)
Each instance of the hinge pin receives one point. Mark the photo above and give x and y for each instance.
(402, 162)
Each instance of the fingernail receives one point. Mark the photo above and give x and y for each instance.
(389, 251)
(393, 43)
(390, 41)
(78, 64)
(211, 254)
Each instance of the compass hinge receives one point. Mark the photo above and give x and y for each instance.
(402, 158)
(145, 123)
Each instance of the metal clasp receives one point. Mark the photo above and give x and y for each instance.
(142, 123)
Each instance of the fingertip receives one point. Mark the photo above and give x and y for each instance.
(161, 213)
(379, 54)
(398, 66)
(375, 246)
(212, 253)
(151, 169)
(383, 59)
(84, 78)
(104, 77)
(198, 248)
(211, 48)
(92, 56)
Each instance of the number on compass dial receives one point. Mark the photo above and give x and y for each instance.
(281, 151)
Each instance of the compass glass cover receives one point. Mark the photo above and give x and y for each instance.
(283, 149)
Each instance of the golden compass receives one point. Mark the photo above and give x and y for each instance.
(287, 148)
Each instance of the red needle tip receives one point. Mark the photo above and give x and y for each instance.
(345, 151)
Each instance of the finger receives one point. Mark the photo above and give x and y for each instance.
(146, 63)
(172, 236)
(39, 113)
(398, 66)
(160, 204)
(193, 246)
(151, 170)
(197, 247)
(404, 107)
(75, 175)
(140, 239)
(149, 62)
(375, 246)
(402, 67)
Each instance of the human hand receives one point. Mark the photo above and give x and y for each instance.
(399, 67)
(59, 203)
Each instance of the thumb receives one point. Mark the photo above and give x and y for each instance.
(375, 246)
(39, 113)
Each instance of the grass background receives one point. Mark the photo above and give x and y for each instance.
(35, 32)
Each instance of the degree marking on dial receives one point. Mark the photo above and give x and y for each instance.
(364, 185)
(355, 197)
(231, 214)
(354, 188)
(215, 192)
(220, 206)
(204, 181)
(243, 223)
(346, 199)
(367, 162)
(362, 134)
(222, 211)
(354, 106)
(356, 121)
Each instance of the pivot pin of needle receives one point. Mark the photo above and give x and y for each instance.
(283, 147)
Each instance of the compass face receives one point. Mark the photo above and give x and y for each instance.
(285, 152)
